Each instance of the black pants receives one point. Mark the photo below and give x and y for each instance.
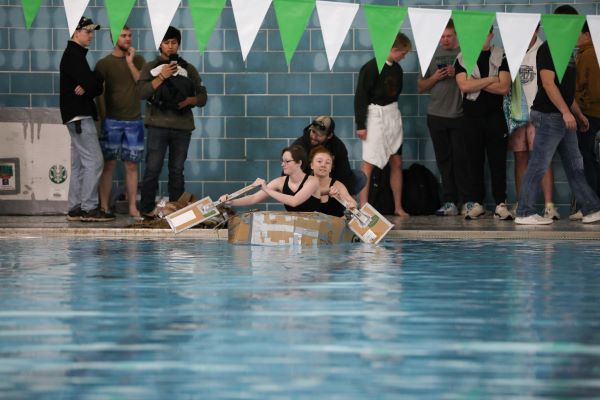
(487, 136)
(449, 145)
(587, 144)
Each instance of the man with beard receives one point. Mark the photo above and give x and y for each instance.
(123, 129)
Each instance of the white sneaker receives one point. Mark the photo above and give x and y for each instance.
(448, 209)
(534, 219)
(502, 212)
(578, 216)
(591, 218)
(551, 212)
(473, 210)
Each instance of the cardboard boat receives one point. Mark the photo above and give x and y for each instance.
(277, 228)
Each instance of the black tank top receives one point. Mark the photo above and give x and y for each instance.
(311, 204)
(332, 206)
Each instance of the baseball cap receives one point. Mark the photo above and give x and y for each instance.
(88, 24)
(323, 125)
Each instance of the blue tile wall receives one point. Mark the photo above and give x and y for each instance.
(256, 106)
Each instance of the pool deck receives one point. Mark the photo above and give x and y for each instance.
(428, 227)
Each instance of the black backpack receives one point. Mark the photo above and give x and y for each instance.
(380, 192)
(420, 191)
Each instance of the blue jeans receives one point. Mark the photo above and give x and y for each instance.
(86, 165)
(587, 146)
(159, 139)
(551, 134)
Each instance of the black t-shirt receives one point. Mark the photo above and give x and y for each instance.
(487, 102)
(542, 102)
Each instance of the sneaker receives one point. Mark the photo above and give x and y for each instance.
(502, 212)
(448, 209)
(591, 218)
(577, 216)
(74, 214)
(473, 210)
(96, 215)
(513, 209)
(551, 212)
(534, 219)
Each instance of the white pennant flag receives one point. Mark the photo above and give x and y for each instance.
(74, 10)
(594, 24)
(427, 26)
(516, 31)
(248, 15)
(161, 14)
(335, 19)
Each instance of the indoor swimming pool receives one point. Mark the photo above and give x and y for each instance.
(91, 318)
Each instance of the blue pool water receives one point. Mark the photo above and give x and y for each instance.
(187, 319)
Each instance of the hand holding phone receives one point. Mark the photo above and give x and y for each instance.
(173, 58)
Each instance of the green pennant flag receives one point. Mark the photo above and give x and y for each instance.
(472, 28)
(292, 17)
(384, 23)
(30, 10)
(205, 14)
(562, 32)
(118, 11)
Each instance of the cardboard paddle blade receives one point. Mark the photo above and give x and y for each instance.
(375, 230)
(192, 215)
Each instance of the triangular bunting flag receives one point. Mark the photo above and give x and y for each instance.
(515, 30)
(292, 17)
(472, 27)
(384, 23)
(30, 10)
(161, 14)
(118, 11)
(594, 24)
(427, 27)
(205, 14)
(562, 32)
(248, 16)
(74, 10)
(335, 19)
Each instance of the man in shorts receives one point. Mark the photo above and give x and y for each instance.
(123, 128)
(517, 105)
(378, 119)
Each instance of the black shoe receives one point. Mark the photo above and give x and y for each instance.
(96, 215)
(75, 214)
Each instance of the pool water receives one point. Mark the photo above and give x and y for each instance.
(187, 319)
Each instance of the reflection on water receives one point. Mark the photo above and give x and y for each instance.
(144, 319)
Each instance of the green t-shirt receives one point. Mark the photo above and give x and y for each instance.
(121, 98)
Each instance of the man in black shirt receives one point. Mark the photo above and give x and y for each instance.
(555, 115)
(486, 131)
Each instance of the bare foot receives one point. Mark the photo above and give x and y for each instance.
(134, 213)
(401, 213)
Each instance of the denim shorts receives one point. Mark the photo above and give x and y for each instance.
(122, 140)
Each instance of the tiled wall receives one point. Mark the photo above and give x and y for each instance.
(255, 107)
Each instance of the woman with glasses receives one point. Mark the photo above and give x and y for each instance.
(296, 190)
(321, 163)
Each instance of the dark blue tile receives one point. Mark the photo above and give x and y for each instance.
(232, 41)
(260, 61)
(214, 83)
(31, 83)
(205, 170)
(215, 61)
(4, 38)
(15, 61)
(43, 100)
(343, 105)
(246, 127)
(344, 127)
(246, 171)
(212, 127)
(287, 127)
(14, 100)
(409, 105)
(4, 82)
(224, 149)
(287, 83)
(310, 105)
(275, 43)
(195, 149)
(246, 83)
(264, 149)
(225, 105)
(332, 83)
(267, 105)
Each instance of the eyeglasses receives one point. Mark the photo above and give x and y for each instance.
(319, 125)
(286, 161)
(318, 133)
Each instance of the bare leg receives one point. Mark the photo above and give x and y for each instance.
(131, 176)
(521, 159)
(364, 193)
(105, 184)
(396, 184)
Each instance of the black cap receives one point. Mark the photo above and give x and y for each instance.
(88, 24)
(172, 33)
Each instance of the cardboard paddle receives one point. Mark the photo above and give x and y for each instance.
(199, 211)
(367, 223)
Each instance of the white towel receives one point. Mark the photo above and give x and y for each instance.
(384, 134)
(180, 71)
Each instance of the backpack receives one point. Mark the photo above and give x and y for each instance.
(420, 191)
(380, 192)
